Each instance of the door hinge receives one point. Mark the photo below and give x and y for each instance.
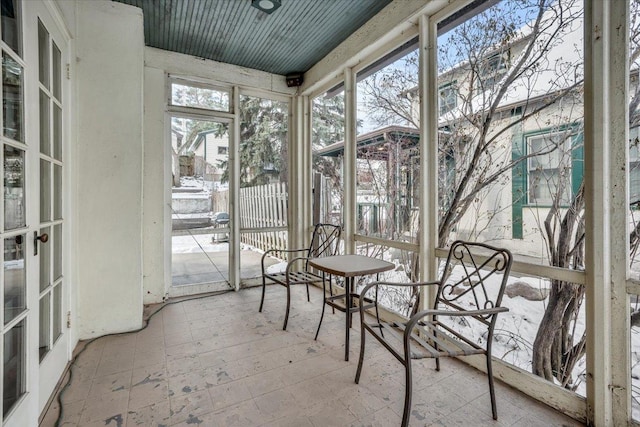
(68, 71)
(68, 319)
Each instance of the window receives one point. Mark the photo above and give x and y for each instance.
(448, 97)
(491, 70)
(446, 176)
(190, 94)
(223, 150)
(549, 171)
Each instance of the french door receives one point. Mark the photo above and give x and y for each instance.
(48, 238)
(35, 342)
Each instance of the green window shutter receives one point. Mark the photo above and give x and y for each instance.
(518, 180)
(577, 164)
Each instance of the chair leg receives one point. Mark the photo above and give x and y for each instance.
(361, 358)
(308, 297)
(333, 309)
(435, 345)
(408, 389)
(286, 314)
(324, 292)
(320, 323)
(378, 314)
(492, 392)
(264, 286)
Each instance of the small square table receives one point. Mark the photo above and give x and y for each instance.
(348, 266)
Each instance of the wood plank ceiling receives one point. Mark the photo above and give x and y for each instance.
(290, 40)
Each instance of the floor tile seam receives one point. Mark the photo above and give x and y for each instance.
(380, 410)
(209, 390)
(450, 396)
(101, 395)
(318, 353)
(79, 414)
(228, 346)
(311, 377)
(110, 373)
(110, 415)
(486, 408)
(144, 338)
(117, 356)
(234, 333)
(140, 406)
(143, 363)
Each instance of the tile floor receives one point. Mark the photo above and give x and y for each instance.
(216, 361)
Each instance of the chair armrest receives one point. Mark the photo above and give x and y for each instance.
(266, 253)
(294, 260)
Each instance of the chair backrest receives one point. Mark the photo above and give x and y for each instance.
(325, 240)
(474, 278)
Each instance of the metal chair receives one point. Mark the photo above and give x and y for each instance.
(471, 288)
(324, 242)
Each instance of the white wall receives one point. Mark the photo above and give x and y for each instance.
(157, 181)
(109, 67)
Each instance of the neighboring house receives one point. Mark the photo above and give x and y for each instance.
(513, 209)
(209, 149)
(384, 207)
(176, 143)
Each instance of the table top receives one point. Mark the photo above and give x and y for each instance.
(350, 265)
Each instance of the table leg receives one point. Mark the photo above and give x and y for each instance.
(347, 289)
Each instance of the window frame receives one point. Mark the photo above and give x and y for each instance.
(444, 103)
(564, 162)
(202, 86)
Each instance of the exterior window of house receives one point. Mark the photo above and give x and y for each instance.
(448, 98)
(549, 172)
(491, 71)
(446, 179)
(223, 150)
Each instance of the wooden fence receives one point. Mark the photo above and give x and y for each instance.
(263, 206)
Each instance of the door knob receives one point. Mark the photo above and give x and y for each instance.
(43, 238)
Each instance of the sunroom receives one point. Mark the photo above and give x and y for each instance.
(153, 150)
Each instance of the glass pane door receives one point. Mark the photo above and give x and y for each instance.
(199, 205)
(49, 237)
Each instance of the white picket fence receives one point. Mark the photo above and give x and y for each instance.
(261, 207)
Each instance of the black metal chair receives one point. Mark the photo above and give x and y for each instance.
(470, 287)
(325, 241)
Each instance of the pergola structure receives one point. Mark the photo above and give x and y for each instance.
(86, 90)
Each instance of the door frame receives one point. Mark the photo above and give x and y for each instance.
(229, 118)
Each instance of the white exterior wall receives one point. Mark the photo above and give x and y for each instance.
(110, 52)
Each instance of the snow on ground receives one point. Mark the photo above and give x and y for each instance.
(197, 243)
(194, 182)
